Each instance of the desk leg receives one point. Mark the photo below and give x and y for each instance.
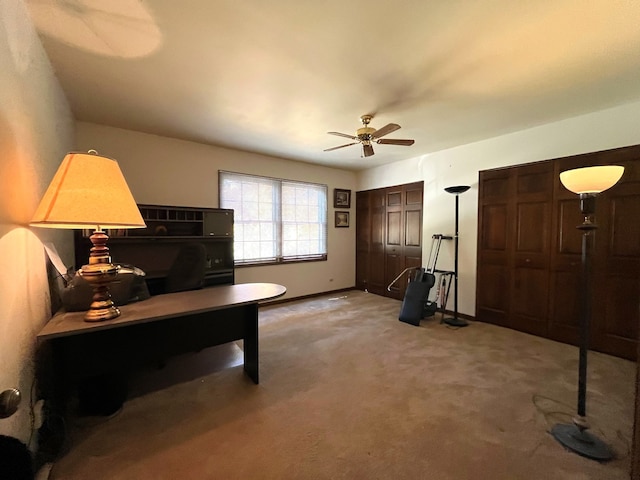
(251, 342)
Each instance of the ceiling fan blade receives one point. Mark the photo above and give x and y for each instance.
(367, 150)
(381, 132)
(343, 135)
(395, 141)
(340, 146)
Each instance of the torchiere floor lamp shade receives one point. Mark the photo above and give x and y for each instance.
(587, 182)
(89, 191)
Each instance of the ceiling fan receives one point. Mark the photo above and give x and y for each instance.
(368, 135)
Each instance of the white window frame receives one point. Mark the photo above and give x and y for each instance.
(277, 226)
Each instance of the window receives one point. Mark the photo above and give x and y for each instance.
(275, 220)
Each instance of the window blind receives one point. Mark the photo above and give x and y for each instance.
(276, 220)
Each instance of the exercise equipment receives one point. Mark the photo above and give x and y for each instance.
(431, 306)
(416, 304)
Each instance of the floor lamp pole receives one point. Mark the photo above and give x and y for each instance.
(576, 436)
(455, 321)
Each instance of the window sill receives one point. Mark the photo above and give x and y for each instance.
(322, 258)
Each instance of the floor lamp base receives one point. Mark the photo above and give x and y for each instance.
(582, 442)
(455, 322)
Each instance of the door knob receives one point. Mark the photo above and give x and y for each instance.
(9, 401)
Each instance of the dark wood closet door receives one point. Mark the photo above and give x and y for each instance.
(378, 235)
(565, 267)
(363, 240)
(617, 263)
(390, 238)
(530, 247)
(615, 274)
(529, 252)
(494, 237)
(394, 240)
(412, 247)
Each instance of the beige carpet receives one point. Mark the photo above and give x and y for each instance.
(349, 392)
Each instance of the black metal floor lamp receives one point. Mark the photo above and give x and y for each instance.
(588, 182)
(455, 321)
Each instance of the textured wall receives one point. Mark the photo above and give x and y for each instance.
(36, 130)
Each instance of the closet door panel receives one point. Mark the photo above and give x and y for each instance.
(565, 305)
(494, 227)
(412, 243)
(493, 304)
(393, 245)
(494, 233)
(378, 239)
(363, 240)
(530, 248)
(617, 268)
(569, 217)
(413, 228)
(394, 229)
(565, 268)
(529, 300)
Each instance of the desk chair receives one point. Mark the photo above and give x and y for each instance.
(187, 270)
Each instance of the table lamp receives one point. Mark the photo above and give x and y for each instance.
(587, 182)
(89, 191)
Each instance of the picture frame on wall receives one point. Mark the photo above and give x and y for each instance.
(341, 198)
(341, 219)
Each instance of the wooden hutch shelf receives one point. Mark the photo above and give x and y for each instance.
(154, 248)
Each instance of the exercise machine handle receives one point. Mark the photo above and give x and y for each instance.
(400, 276)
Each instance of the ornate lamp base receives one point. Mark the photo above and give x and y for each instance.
(581, 442)
(99, 275)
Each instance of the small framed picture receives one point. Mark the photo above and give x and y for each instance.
(342, 219)
(341, 198)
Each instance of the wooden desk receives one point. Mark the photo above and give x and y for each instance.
(151, 331)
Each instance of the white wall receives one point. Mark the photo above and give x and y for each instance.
(36, 131)
(166, 171)
(611, 128)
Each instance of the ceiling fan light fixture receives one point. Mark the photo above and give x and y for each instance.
(366, 135)
(366, 132)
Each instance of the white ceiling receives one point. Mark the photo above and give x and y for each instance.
(274, 76)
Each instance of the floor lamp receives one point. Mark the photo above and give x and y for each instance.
(455, 321)
(587, 182)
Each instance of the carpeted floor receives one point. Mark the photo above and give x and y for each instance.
(349, 392)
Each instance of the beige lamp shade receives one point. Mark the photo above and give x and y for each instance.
(88, 191)
(591, 179)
